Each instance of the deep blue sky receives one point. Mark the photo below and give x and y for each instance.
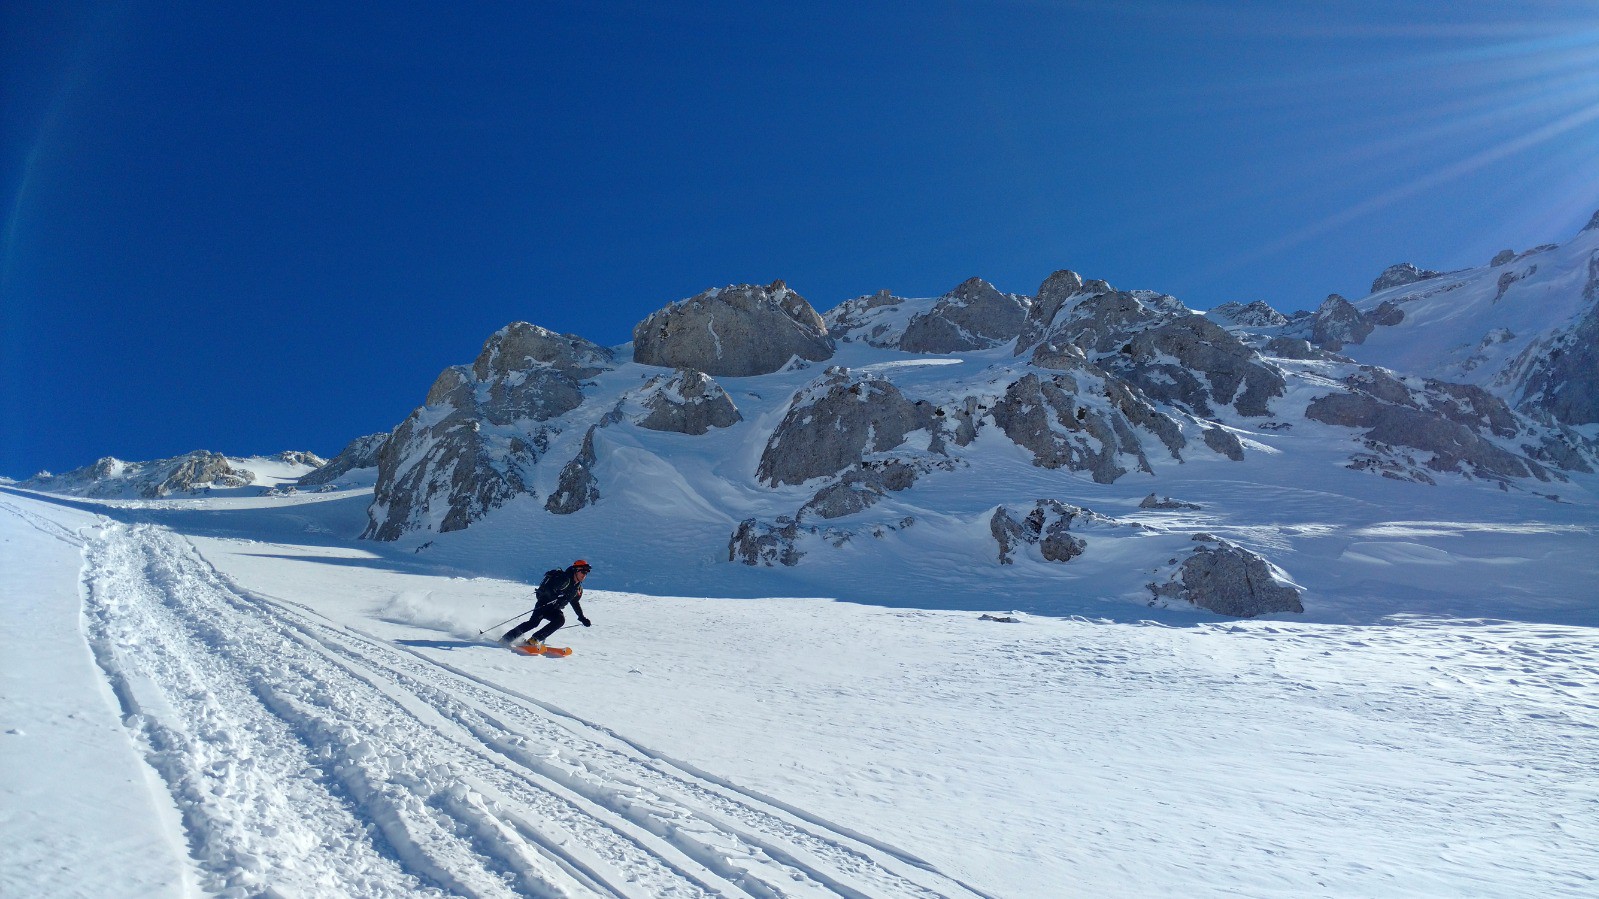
(256, 227)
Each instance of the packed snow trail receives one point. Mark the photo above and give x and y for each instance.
(308, 758)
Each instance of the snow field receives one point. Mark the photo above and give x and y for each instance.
(319, 719)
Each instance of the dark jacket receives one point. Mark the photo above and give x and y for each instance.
(565, 590)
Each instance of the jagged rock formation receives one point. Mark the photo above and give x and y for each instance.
(1337, 322)
(733, 331)
(1228, 580)
(1258, 314)
(1047, 525)
(834, 422)
(474, 444)
(1401, 274)
(973, 316)
(1159, 345)
(684, 402)
(1047, 416)
(362, 452)
(577, 487)
(1455, 423)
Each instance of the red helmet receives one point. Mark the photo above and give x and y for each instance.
(581, 565)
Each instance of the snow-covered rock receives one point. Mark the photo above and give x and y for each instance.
(1337, 322)
(578, 487)
(1047, 525)
(973, 316)
(1258, 314)
(684, 402)
(734, 331)
(1227, 579)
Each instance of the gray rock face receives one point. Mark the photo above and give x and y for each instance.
(1048, 416)
(1258, 314)
(685, 402)
(973, 316)
(1593, 223)
(1403, 273)
(834, 422)
(1337, 322)
(196, 471)
(1047, 525)
(1502, 257)
(1228, 580)
(733, 331)
(866, 318)
(1225, 442)
(361, 453)
(577, 487)
(757, 542)
(1451, 421)
(474, 444)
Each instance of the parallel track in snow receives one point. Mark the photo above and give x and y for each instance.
(311, 758)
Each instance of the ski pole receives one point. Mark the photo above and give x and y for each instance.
(506, 621)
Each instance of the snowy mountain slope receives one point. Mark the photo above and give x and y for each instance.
(199, 471)
(1524, 327)
(320, 713)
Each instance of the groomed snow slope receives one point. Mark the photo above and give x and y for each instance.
(324, 721)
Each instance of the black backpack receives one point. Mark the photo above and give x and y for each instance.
(551, 583)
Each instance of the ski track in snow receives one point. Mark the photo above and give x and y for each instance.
(309, 758)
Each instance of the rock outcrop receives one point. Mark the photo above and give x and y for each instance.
(1173, 355)
(1337, 322)
(362, 452)
(1455, 423)
(1083, 421)
(684, 402)
(1403, 273)
(1229, 580)
(834, 422)
(1563, 372)
(735, 331)
(1047, 525)
(973, 316)
(1258, 314)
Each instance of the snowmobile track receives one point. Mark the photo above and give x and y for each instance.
(306, 757)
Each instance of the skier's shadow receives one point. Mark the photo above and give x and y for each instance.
(438, 644)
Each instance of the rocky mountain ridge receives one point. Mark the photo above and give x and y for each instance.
(961, 396)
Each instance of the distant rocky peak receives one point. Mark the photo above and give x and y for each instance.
(1400, 274)
(520, 346)
(1593, 223)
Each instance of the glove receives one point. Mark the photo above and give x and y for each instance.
(586, 622)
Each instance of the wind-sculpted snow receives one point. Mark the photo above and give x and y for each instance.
(308, 758)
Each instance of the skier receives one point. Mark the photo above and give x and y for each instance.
(558, 588)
